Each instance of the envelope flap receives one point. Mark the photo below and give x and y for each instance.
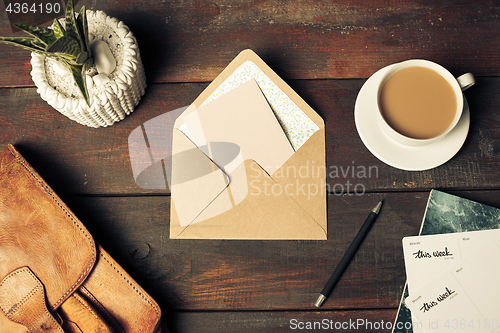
(303, 176)
(249, 55)
(267, 212)
(39, 231)
(196, 180)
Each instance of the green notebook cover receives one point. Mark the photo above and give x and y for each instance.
(446, 213)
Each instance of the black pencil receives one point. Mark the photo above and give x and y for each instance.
(348, 255)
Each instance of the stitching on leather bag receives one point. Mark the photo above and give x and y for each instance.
(100, 308)
(18, 322)
(27, 297)
(34, 290)
(51, 318)
(5, 279)
(74, 326)
(50, 194)
(131, 285)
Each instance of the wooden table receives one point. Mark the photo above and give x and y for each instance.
(325, 51)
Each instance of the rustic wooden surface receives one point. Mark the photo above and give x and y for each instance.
(325, 51)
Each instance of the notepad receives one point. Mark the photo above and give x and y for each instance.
(428, 256)
(445, 214)
(464, 298)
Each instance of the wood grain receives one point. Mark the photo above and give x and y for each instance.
(96, 161)
(192, 40)
(257, 275)
(325, 50)
(282, 321)
(262, 275)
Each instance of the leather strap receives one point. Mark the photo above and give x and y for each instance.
(22, 300)
(80, 316)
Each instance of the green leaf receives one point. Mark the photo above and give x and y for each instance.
(80, 82)
(79, 76)
(83, 29)
(45, 35)
(38, 43)
(31, 45)
(65, 46)
(65, 62)
(82, 57)
(55, 56)
(58, 29)
(71, 28)
(27, 43)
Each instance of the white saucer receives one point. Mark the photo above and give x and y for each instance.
(393, 153)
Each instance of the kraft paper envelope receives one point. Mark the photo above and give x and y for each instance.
(220, 191)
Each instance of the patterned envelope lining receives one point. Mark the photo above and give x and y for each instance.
(297, 125)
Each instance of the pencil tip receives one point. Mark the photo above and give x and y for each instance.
(320, 300)
(376, 209)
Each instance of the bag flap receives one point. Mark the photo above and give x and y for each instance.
(39, 231)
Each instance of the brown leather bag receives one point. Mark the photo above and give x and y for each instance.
(53, 276)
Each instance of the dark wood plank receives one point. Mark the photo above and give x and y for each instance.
(96, 161)
(371, 321)
(324, 50)
(75, 158)
(192, 40)
(262, 275)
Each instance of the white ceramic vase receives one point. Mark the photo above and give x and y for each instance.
(109, 102)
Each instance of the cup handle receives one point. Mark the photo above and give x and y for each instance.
(466, 81)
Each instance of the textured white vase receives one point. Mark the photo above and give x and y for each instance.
(109, 102)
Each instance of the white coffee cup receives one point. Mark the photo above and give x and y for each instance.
(457, 84)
